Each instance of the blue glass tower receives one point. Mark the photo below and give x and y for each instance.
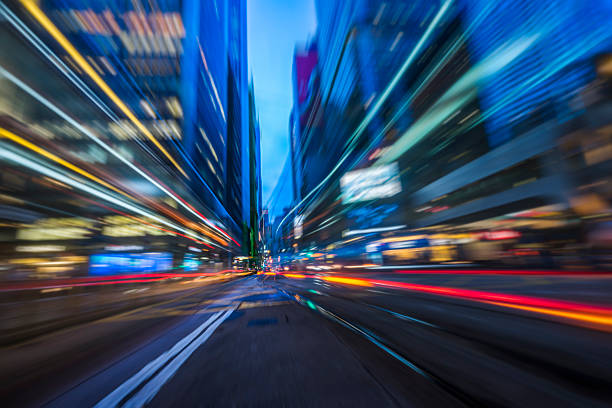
(560, 35)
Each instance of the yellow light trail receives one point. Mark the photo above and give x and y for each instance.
(48, 25)
(19, 140)
(599, 320)
(595, 319)
(295, 275)
(347, 281)
(23, 142)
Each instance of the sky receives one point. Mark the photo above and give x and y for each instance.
(274, 27)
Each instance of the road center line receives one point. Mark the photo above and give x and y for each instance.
(149, 391)
(114, 398)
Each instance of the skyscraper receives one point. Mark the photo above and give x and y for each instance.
(237, 180)
(303, 121)
(255, 178)
(163, 84)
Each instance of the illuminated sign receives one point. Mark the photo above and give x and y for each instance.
(121, 226)
(44, 234)
(40, 248)
(56, 228)
(190, 262)
(110, 264)
(370, 183)
(124, 248)
(500, 235)
(298, 226)
(370, 231)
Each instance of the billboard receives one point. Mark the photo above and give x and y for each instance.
(110, 264)
(370, 183)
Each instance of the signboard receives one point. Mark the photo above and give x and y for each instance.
(298, 226)
(110, 264)
(370, 183)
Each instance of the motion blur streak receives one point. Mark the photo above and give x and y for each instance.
(490, 296)
(445, 6)
(31, 6)
(570, 310)
(61, 66)
(585, 273)
(112, 151)
(54, 174)
(11, 136)
(295, 275)
(347, 281)
(306, 203)
(464, 90)
(110, 280)
(140, 220)
(52, 57)
(605, 321)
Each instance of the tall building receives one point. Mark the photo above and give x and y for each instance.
(177, 66)
(237, 180)
(535, 63)
(304, 121)
(453, 109)
(216, 136)
(255, 239)
(552, 38)
(151, 98)
(360, 46)
(206, 123)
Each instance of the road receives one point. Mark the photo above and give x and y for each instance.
(300, 340)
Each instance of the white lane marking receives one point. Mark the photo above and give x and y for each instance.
(114, 398)
(149, 391)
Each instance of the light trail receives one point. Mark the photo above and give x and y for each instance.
(379, 102)
(589, 318)
(57, 62)
(23, 161)
(346, 281)
(47, 24)
(109, 280)
(21, 141)
(580, 312)
(109, 149)
(534, 272)
(140, 220)
(459, 94)
(295, 275)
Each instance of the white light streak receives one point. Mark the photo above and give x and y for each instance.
(92, 136)
(369, 230)
(383, 97)
(11, 156)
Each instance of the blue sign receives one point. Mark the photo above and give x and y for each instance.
(111, 264)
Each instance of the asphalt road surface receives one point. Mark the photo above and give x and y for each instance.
(275, 340)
